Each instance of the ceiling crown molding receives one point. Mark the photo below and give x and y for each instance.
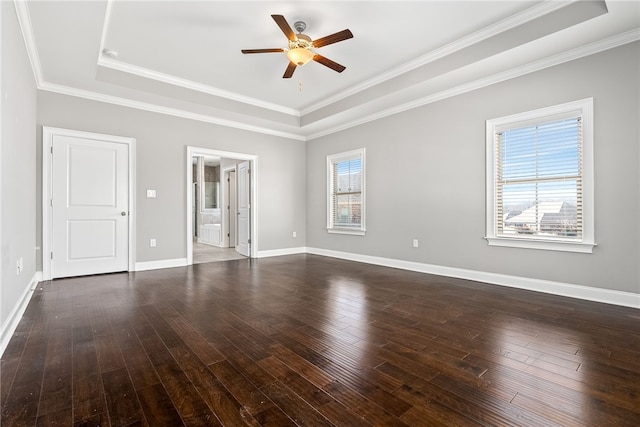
(310, 132)
(154, 108)
(513, 21)
(189, 84)
(177, 81)
(24, 20)
(571, 55)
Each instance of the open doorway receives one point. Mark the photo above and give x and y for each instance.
(221, 201)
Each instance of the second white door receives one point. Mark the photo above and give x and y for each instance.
(243, 181)
(90, 206)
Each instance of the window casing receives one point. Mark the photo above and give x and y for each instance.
(346, 192)
(540, 178)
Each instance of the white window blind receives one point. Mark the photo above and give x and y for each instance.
(537, 189)
(539, 180)
(345, 204)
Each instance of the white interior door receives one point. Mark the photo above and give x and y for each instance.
(231, 206)
(90, 206)
(243, 197)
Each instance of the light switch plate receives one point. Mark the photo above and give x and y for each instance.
(151, 194)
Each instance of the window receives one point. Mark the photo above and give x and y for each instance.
(345, 193)
(540, 178)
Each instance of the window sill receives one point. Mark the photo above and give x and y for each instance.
(346, 231)
(547, 245)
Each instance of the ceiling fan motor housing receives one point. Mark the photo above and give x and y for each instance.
(300, 26)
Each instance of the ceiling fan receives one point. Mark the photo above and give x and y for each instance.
(300, 46)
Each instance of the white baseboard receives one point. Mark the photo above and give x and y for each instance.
(163, 263)
(10, 325)
(627, 299)
(280, 252)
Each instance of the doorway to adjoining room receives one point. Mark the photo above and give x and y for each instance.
(220, 223)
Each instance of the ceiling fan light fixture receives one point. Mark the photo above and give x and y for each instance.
(299, 55)
(302, 47)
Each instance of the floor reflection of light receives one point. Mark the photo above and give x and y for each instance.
(347, 309)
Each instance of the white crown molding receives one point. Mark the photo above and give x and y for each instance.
(189, 84)
(105, 25)
(546, 7)
(495, 29)
(174, 80)
(561, 58)
(24, 20)
(593, 48)
(608, 296)
(178, 81)
(124, 102)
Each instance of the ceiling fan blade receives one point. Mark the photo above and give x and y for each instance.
(262, 50)
(289, 71)
(333, 38)
(329, 63)
(284, 26)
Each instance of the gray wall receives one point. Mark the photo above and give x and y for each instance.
(426, 177)
(18, 166)
(161, 143)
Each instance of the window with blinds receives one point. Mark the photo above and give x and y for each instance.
(345, 204)
(540, 189)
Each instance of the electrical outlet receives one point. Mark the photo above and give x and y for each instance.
(415, 243)
(152, 243)
(295, 234)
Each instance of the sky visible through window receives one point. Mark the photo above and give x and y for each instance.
(539, 178)
(540, 163)
(349, 173)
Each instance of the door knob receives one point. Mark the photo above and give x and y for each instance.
(123, 213)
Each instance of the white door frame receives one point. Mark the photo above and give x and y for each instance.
(226, 237)
(47, 178)
(197, 151)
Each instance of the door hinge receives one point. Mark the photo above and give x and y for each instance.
(248, 170)
(51, 255)
(51, 149)
(228, 234)
(249, 241)
(51, 202)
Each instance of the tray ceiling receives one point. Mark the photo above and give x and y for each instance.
(183, 58)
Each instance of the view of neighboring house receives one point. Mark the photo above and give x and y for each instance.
(556, 218)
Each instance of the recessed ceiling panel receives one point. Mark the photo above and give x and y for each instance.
(201, 41)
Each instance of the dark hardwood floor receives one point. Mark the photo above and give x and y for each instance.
(315, 341)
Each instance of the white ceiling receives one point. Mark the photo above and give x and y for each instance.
(183, 58)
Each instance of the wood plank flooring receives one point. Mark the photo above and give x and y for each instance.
(314, 341)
